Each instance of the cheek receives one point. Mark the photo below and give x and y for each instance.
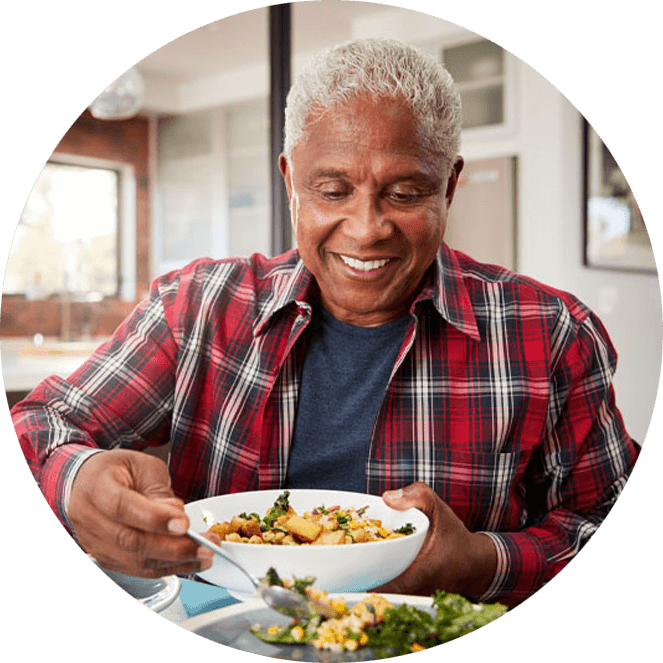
(313, 224)
(426, 232)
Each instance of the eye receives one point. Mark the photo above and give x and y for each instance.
(406, 194)
(404, 197)
(334, 191)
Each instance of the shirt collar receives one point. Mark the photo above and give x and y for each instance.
(290, 284)
(445, 288)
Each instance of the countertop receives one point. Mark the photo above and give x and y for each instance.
(25, 364)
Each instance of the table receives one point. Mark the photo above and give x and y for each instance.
(195, 598)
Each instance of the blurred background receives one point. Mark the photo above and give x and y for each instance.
(176, 161)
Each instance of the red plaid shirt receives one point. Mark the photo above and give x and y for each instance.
(500, 399)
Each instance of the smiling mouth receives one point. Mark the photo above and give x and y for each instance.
(363, 265)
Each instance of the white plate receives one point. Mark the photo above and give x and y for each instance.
(230, 626)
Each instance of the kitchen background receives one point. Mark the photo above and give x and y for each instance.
(189, 176)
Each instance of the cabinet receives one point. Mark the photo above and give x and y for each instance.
(212, 190)
(478, 68)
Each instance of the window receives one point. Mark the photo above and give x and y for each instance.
(68, 238)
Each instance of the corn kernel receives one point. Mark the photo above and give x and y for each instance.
(383, 532)
(363, 639)
(417, 647)
(273, 630)
(350, 645)
(297, 633)
(338, 605)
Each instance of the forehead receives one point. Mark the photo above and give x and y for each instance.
(364, 129)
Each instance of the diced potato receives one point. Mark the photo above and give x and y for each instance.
(359, 535)
(255, 539)
(251, 529)
(302, 528)
(236, 524)
(221, 529)
(330, 538)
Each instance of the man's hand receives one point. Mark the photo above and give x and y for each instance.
(127, 517)
(452, 558)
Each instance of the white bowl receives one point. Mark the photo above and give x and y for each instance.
(356, 567)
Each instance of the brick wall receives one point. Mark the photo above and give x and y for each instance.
(125, 141)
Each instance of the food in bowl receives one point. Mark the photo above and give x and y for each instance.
(282, 525)
(374, 622)
(337, 568)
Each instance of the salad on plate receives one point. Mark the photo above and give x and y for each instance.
(376, 623)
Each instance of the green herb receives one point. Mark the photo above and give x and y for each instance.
(404, 626)
(342, 519)
(272, 578)
(401, 628)
(280, 508)
(300, 584)
(457, 616)
(408, 528)
(249, 516)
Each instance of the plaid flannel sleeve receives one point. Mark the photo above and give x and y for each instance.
(581, 470)
(120, 397)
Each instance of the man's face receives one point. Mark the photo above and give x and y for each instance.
(369, 208)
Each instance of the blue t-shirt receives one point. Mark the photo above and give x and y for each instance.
(344, 378)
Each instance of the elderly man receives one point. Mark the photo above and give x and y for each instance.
(372, 358)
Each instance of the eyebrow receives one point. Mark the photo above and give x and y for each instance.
(329, 172)
(338, 173)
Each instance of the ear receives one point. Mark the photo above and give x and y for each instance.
(284, 167)
(452, 182)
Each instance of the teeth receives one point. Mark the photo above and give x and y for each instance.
(363, 265)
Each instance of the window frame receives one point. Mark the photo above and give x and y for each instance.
(126, 213)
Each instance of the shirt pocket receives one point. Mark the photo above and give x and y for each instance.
(485, 490)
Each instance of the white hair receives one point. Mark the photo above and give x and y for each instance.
(378, 68)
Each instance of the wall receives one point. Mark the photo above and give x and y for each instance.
(127, 142)
(550, 238)
(545, 136)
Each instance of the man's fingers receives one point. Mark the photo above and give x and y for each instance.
(124, 513)
(129, 487)
(135, 552)
(136, 511)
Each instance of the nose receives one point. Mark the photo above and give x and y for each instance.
(366, 220)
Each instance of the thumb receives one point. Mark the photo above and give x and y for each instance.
(415, 495)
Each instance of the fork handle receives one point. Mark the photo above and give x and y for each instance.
(216, 549)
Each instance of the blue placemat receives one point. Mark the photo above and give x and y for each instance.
(198, 597)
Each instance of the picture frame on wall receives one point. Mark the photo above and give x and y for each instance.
(614, 232)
